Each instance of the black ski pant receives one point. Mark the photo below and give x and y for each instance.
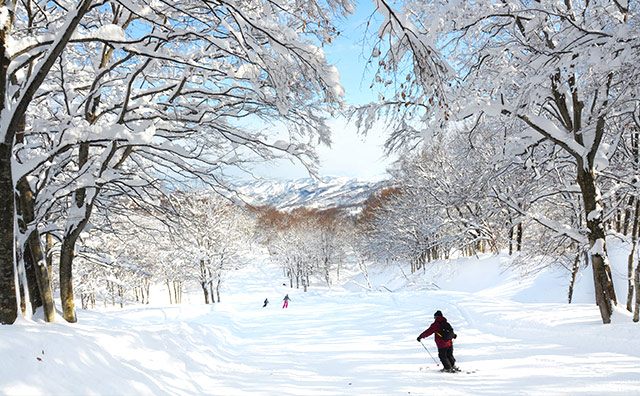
(446, 357)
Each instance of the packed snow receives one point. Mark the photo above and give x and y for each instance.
(516, 336)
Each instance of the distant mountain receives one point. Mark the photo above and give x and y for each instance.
(327, 192)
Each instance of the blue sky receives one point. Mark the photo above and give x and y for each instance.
(349, 53)
(351, 155)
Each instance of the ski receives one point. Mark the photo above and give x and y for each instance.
(427, 368)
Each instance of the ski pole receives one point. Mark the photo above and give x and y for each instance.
(425, 348)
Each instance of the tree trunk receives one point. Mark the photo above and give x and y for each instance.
(121, 295)
(603, 282)
(8, 298)
(211, 291)
(147, 289)
(66, 277)
(510, 240)
(33, 254)
(67, 254)
(22, 285)
(49, 256)
(520, 235)
(636, 282)
(169, 290)
(31, 251)
(574, 275)
(175, 292)
(632, 255)
(627, 216)
(204, 281)
(28, 281)
(206, 292)
(327, 275)
(80, 211)
(218, 289)
(365, 271)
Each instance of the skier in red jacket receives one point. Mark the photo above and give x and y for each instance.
(445, 347)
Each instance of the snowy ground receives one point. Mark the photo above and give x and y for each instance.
(518, 335)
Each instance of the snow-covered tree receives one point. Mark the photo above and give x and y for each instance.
(304, 242)
(555, 75)
(159, 90)
(210, 236)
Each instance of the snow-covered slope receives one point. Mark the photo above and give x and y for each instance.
(327, 192)
(516, 334)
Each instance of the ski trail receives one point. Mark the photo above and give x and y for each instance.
(344, 343)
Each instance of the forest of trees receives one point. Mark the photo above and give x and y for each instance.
(539, 98)
(518, 123)
(107, 107)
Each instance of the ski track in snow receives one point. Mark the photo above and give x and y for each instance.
(328, 342)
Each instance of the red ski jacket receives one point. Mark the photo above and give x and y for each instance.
(435, 327)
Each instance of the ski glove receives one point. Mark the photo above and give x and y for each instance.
(455, 335)
(419, 338)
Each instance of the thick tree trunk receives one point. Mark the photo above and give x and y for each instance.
(24, 259)
(80, 212)
(66, 277)
(67, 254)
(42, 276)
(8, 299)
(205, 289)
(603, 282)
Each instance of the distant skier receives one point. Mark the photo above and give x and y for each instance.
(444, 336)
(286, 301)
(266, 301)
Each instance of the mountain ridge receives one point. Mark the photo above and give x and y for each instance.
(321, 193)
